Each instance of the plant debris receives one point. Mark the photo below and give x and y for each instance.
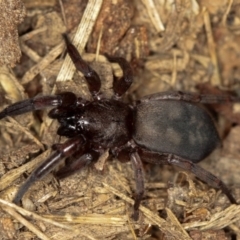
(186, 45)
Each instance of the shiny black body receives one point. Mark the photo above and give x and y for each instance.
(164, 128)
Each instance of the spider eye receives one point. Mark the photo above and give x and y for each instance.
(83, 124)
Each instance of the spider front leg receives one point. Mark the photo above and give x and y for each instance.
(63, 150)
(92, 78)
(191, 97)
(37, 103)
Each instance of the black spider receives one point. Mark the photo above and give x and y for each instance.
(163, 128)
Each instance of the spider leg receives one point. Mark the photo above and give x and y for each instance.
(191, 97)
(202, 174)
(78, 163)
(37, 103)
(121, 85)
(199, 172)
(63, 150)
(92, 78)
(138, 172)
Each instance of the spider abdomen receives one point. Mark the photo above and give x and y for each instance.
(175, 127)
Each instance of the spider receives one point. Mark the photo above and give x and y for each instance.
(163, 128)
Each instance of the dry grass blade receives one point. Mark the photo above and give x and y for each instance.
(10, 84)
(36, 69)
(174, 220)
(170, 229)
(30, 52)
(12, 175)
(10, 207)
(27, 213)
(25, 131)
(26, 223)
(91, 219)
(154, 15)
(218, 220)
(224, 19)
(212, 48)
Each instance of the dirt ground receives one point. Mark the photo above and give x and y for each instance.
(172, 45)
